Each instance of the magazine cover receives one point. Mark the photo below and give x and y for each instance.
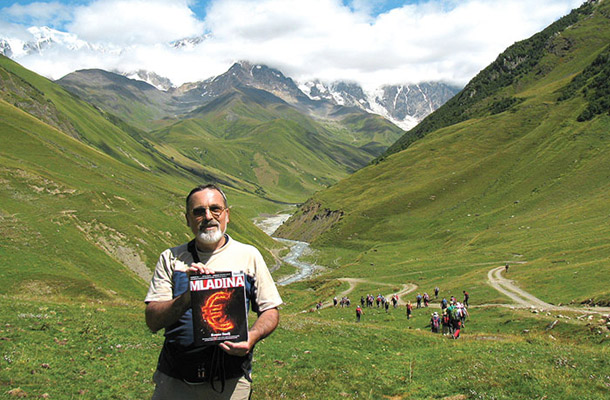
(219, 307)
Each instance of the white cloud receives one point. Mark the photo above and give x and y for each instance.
(39, 13)
(142, 22)
(435, 40)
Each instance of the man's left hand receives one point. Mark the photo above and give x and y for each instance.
(239, 349)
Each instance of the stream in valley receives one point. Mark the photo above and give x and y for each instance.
(269, 224)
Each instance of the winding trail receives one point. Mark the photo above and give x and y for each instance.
(353, 282)
(495, 279)
(525, 299)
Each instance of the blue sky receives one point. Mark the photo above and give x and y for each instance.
(371, 7)
(371, 42)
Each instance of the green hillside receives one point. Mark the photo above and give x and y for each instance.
(270, 148)
(90, 224)
(50, 102)
(495, 88)
(134, 101)
(529, 182)
(520, 175)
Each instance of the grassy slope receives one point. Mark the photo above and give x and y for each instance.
(88, 350)
(134, 101)
(66, 201)
(267, 146)
(100, 349)
(90, 214)
(528, 184)
(94, 127)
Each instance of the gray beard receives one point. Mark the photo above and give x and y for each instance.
(210, 237)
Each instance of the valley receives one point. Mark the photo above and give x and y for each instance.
(495, 278)
(512, 169)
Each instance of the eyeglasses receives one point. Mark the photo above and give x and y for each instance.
(216, 211)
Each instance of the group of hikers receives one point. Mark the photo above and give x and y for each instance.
(380, 300)
(450, 321)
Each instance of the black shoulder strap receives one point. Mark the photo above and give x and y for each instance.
(192, 248)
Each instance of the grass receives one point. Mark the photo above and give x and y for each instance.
(527, 186)
(385, 356)
(102, 350)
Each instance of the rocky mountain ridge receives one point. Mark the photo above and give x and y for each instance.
(405, 105)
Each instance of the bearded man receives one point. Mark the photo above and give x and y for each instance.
(186, 371)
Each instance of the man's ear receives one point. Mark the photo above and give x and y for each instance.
(186, 216)
(228, 215)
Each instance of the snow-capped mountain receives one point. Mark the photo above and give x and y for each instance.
(404, 105)
(42, 38)
(189, 43)
(244, 73)
(149, 77)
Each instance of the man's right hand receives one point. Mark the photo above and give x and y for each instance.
(199, 268)
(161, 314)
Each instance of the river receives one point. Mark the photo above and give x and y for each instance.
(269, 224)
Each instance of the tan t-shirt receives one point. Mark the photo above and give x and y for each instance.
(233, 256)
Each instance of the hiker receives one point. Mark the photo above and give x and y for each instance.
(436, 290)
(394, 300)
(456, 320)
(335, 301)
(319, 305)
(409, 310)
(444, 304)
(435, 322)
(359, 313)
(361, 301)
(463, 313)
(450, 313)
(418, 298)
(506, 268)
(445, 321)
(466, 297)
(426, 299)
(387, 306)
(225, 366)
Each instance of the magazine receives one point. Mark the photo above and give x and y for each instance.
(219, 307)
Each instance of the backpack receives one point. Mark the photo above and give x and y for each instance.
(436, 321)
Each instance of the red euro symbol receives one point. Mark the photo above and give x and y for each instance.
(213, 312)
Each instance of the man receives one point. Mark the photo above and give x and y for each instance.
(435, 322)
(221, 371)
(466, 298)
(359, 313)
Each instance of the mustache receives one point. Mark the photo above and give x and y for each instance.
(204, 226)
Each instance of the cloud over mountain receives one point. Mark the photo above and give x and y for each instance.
(324, 39)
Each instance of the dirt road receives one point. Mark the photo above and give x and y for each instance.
(406, 288)
(525, 299)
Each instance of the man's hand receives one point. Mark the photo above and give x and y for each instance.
(161, 314)
(265, 324)
(198, 268)
(239, 349)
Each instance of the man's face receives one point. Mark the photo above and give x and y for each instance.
(207, 217)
